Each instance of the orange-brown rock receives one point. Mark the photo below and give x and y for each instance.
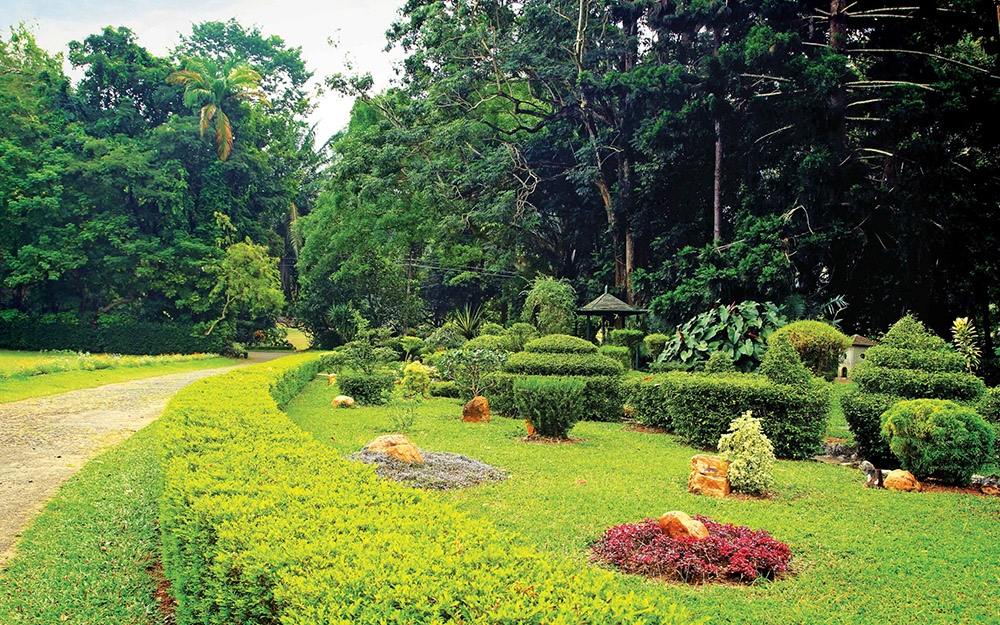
(531, 428)
(677, 524)
(477, 410)
(708, 485)
(991, 490)
(714, 466)
(397, 446)
(901, 480)
(343, 400)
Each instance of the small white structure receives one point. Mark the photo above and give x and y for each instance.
(855, 354)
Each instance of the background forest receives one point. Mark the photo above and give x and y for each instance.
(681, 154)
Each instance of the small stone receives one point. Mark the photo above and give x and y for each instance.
(901, 480)
(343, 400)
(715, 466)
(477, 410)
(991, 490)
(397, 446)
(531, 428)
(677, 524)
(708, 485)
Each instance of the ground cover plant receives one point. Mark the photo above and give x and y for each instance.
(14, 364)
(15, 389)
(851, 544)
(729, 553)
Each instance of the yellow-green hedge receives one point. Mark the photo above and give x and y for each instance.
(261, 524)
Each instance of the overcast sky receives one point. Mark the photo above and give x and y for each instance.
(357, 27)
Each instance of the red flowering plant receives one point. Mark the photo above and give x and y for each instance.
(730, 552)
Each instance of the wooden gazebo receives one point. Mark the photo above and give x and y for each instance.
(608, 308)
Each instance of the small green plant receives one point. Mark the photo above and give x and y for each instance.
(468, 367)
(720, 362)
(402, 413)
(965, 337)
(467, 321)
(491, 329)
(411, 346)
(416, 379)
(939, 438)
(446, 337)
(750, 454)
(655, 344)
(552, 404)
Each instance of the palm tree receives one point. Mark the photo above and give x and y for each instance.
(208, 86)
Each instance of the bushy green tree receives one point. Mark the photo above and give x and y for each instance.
(550, 305)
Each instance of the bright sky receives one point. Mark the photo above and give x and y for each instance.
(357, 27)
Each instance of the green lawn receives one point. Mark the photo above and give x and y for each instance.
(87, 558)
(14, 389)
(837, 427)
(297, 338)
(861, 556)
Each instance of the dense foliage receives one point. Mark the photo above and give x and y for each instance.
(820, 345)
(740, 331)
(730, 552)
(552, 404)
(750, 454)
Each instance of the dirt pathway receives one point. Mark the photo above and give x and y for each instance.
(45, 440)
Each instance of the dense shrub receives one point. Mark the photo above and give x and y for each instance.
(720, 362)
(655, 344)
(110, 334)
(262, 524)
(416, 379)
(741, 330)
(917, 384)
(989, 405)
(489, 342)
(367, 388)
(560, 344)
(499, 390)
(411, 345)
(729, 552)
(528, 363)
(939, 438)
(446, 389)
(491, 329)
(863, 412)
(618, 353)
(750, 454)
(552, 404)
(626, 337)
(910, 363)
(820, 345)
(519, 334)
(602, 397)
(782, 363)
(700, 407)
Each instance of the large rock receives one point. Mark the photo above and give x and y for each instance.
(477, 410)
(677, 524)
(901, 480)
(343, 400)
(709, 476)
(529, 427)
(397, 446)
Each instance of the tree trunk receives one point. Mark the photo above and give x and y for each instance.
(717, 194)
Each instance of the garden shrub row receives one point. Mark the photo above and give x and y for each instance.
(700, 408)
(110, 334)
(560, 344)
(917, 384)
(602, 397)
(261, 524)
(529, 363)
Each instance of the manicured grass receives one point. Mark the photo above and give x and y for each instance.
(297, 338)
(86, 558)
(837, 427)
(14, 389)
(861, 556)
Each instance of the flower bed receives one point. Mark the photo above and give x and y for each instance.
(730, 553)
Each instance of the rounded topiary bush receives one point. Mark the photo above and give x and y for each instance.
(491, 329)
(560, 344)
(720, 362)
(819, 345)
(488, 341)
(782, 363)
(552, 404)
(617, 352)
(938, 438)
(519, 334)
(367, 388)
(751, 455)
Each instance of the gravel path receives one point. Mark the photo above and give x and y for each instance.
(45, 440)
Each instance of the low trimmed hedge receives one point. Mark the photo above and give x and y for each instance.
(489, 342)
(367, 388)
(700, 408)
(560, 344)
(618, 353)
(917, 384)
(942, 361)
(445, 389)
(603, 396)
(529, 363)
(262, 524)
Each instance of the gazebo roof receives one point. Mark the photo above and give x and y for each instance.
(607, 304)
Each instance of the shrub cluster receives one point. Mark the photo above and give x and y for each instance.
(416, 379)
(655, 344)
(601, 399)
(488, 342)
(729, 553)
(529, 363)
(700, 406)
(367, 388)
(261, 524)
(110, 334)
(445, 389)
(552, 404)
(910, 363)
(720, 362)
(560, 344)
(819, 345)
(939, 438)
(518, 335)
(617, 353)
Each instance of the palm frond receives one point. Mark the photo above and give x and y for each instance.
(223, 135)
(207, 113)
